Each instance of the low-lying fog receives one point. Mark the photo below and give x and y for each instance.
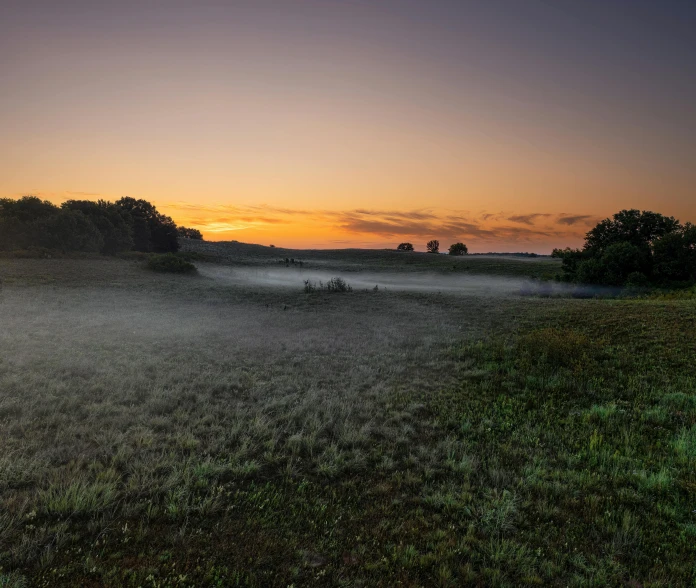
(469, 284)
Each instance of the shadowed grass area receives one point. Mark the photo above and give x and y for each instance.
(167, 430)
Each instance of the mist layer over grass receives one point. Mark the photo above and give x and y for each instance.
(423, 282)
(217, 429)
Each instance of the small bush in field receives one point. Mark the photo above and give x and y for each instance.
(333, 285)
(168, 262)
(338, 285)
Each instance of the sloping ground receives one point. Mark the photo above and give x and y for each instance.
(373, 260)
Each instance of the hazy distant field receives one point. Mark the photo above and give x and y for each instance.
(227, 428)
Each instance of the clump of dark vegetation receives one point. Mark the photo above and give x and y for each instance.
(168, 262)
(433, 246)
(333, 285)
(458, 249)
(405, 247)
(187, 233)
(338, 285)
(102, 227)
(636, 249)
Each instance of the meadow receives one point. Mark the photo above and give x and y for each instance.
(227, 428)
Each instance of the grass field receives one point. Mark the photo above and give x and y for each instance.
(218, 430)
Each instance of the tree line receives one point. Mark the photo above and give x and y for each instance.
(85, 225)
(633, 248)
(433, 246)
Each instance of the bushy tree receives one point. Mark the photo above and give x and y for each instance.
(404, 247)
(674, 256)
(458, 249)
(433, 246)
(152, 231)
(615, 264)
(83, 225)
(633, 248)
(113, 223)
(630, 226)
(187, 233)
(68, 230)
(26, 209)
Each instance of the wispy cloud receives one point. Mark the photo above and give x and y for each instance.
(573, 219)
(362, 226)
(526, 219)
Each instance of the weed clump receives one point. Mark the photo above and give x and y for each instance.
(168, 262)
(333, 285)
(556, 348)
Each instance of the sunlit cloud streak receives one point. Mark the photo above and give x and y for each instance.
(350, 227)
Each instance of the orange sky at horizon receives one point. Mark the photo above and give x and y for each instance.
(482, 231)
(509, 126)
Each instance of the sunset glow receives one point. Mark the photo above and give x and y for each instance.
(510, 126)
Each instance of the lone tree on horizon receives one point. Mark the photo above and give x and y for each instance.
(433, 246)
(458, 249)
(405, 247)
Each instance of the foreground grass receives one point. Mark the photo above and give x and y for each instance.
(169, 437)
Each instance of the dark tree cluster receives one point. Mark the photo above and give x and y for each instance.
(405, 247)
(84, 225)
(187, 233)
(458, 249)
(634, 248)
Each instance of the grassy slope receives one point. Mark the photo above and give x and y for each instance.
(374, 260)
(165, 430)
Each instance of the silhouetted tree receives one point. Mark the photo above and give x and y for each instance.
(187, 233)
(114, 224)
(433, 246)
(674, 256)
(68, 230)
(152, 231)
(26, 209)
(458, 249)
(630, 226)
(633, 248)
(19, 221)
(404, 247)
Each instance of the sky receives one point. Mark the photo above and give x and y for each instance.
(509, 125)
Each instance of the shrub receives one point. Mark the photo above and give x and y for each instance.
(333, 285)
(338, 285)
(168, 262)
(404, 247)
